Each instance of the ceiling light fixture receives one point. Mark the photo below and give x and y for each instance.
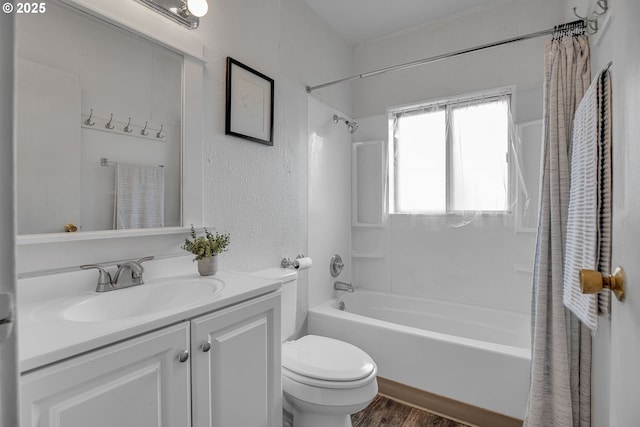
(184, 12)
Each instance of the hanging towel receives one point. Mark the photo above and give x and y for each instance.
(139, 198)
(606, 186)
(588, 240)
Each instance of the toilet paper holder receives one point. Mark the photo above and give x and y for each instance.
(288, 263)
(592, 282)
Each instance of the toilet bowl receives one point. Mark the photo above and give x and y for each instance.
(324, 380)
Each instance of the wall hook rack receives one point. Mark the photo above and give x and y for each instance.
(110, 124)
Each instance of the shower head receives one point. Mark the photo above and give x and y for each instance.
(351, 125)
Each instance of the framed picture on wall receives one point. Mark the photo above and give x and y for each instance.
(249, 107)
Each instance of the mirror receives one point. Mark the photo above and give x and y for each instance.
(97, 171)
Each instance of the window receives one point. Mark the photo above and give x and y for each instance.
(450, 156)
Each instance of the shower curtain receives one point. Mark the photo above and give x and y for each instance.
(560, 394)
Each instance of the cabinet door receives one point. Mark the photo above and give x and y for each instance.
(236, 366)
(137, 383)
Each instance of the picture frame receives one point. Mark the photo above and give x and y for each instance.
(249, 103)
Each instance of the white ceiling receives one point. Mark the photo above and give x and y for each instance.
(359, 21)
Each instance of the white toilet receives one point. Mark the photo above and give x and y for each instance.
(324, 380)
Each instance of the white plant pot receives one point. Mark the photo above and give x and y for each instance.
(208, 266)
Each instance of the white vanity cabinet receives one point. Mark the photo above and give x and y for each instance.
(139, 382)
(236, 366)
(142, 382)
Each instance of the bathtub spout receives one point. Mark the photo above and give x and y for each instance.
(342, 286)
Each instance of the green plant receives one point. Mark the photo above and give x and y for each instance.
(207, 245)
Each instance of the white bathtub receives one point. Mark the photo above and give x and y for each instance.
(471, 354)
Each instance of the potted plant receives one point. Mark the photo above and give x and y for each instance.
(206, 249)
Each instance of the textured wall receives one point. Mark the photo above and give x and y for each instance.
(257, 192)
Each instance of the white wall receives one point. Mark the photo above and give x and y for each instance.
(485, 263)
(8, 348)
(329, 199)
(257, 192)
(616, 348)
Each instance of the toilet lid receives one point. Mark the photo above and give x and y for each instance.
(326, 359)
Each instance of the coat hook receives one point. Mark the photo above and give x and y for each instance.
(127, 128)
(159, 134)
(88, 122)
(144, 132)
(602, 4)
(592, 24)
(109, 125)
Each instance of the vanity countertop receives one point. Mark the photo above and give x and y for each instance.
(46, 336)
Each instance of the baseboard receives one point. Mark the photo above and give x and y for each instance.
(449, 408)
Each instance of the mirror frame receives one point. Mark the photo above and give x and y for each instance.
(56, 251)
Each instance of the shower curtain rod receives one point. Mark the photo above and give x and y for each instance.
(441, 57)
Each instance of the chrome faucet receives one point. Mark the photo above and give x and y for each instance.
(134, 277)
(128, 274)
(342, 286)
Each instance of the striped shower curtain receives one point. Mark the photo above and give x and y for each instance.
(560, 394)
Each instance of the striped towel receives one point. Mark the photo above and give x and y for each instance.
(588, 239)
(139, 199)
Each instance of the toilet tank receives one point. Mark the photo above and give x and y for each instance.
(289, 292)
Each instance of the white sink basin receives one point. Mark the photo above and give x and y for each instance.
(136, 301)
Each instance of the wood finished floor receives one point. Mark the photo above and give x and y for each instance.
(384, 412)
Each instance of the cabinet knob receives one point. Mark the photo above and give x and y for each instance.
(206, 346)
(183, 356)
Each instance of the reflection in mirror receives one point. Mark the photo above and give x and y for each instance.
(98, 126)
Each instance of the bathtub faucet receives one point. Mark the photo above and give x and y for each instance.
(342, 286)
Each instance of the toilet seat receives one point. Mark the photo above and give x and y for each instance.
(326, 362)
(314, 382)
